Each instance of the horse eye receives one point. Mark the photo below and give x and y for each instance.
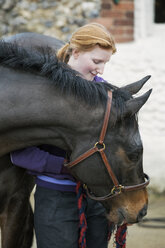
(134, 157)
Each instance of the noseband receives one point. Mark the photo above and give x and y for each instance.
(100, 147)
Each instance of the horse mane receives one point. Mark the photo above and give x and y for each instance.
(44, 62)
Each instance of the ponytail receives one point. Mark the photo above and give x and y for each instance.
(64, 53)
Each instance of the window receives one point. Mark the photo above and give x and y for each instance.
(159, 11)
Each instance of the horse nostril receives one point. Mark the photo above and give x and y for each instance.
(142, 213)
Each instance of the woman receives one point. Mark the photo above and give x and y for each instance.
(56, 217)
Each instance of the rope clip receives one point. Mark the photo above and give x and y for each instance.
(117, 189)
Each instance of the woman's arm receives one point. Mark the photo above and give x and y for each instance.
(35, 159)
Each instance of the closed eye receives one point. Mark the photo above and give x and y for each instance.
(96, 61)
(135, 155)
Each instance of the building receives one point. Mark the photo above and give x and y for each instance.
(132, 19)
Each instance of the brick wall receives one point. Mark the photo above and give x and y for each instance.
(118, 19)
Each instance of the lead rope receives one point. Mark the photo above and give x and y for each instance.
(82, 218)
(120, 236)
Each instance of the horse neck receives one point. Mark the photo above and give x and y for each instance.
(36, 113)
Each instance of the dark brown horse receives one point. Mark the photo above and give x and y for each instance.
(43, 101)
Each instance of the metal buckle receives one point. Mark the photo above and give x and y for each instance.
(85, 186)
(117, 189)
(102, 148)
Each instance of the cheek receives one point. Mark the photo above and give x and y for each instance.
(91, 66)
(86, 67)
(86, 63)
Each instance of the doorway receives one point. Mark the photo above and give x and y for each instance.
(159, 11)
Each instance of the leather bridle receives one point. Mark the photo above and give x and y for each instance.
(100, 147)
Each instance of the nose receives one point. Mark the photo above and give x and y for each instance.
(142, 213)
(100, 69)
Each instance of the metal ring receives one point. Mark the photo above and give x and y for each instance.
(100, 149)
(117, 189)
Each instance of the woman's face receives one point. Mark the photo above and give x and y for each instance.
(90, 63)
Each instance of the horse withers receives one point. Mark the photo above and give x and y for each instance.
(48, 103)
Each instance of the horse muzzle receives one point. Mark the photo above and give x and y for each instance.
(128, 208)
(121, 216)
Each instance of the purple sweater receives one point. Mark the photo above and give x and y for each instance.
(46, 162)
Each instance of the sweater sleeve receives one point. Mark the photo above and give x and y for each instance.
(34, 159)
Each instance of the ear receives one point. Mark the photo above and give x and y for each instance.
(134, 105)
(136, 86)
(75, 53)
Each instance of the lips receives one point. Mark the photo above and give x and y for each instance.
(121, 217)
(118, 217)
(93, 74)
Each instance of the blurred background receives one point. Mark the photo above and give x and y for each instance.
(139, 30)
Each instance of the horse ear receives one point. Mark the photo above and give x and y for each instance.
(134, 105)
(136, 86)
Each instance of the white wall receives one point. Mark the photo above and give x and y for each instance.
(144, 18)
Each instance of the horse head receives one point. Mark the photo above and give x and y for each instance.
(126, 202)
